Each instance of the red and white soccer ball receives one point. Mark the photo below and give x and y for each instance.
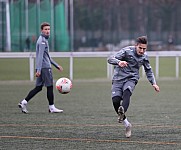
(64, 85)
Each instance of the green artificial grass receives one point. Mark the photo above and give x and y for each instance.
(89, 121)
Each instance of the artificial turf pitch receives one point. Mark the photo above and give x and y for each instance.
(89, 121)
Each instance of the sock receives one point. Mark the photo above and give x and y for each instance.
(50, 95)
(126, 99)
(126, 122)
(24, 102)
(51, 106)
(33, 92)
(116, 102)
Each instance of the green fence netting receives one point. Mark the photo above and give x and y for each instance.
(23, 27)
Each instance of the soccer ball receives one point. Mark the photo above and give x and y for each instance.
(63, 85)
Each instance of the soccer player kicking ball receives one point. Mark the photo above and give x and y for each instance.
(127, 63)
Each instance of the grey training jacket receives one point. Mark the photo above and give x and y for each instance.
(131, 72)
(43, 59)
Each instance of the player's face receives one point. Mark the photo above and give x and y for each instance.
(46, 30)
(141, 48)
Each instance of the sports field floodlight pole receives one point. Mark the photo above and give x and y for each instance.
(8, 37)
(26, 19)
(52, 26)
(38, 13)
(71, 37)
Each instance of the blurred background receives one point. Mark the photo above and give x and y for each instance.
(90, 25)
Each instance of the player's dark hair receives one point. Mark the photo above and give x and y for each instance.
(44, 24)
(141, 40)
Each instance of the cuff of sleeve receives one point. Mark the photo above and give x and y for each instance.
(38, 70)
(118, 62)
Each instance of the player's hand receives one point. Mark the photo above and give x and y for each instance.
(123, 64)
(37, 74)
(60, 68)
(156, 87)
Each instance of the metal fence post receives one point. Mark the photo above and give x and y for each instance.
(157, 66)
(71, 67)
(31, 61)
(177, 67)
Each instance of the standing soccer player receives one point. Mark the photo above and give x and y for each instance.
(127, 63)
(43, 71)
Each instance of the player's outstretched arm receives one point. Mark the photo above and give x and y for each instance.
(156, 87)
(60, 68)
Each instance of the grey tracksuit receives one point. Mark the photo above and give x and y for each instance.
(43, 59)
(131, 72)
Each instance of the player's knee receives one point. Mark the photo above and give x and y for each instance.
(39, 88)
(116, 99)
(50, 87)
(127, 92)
